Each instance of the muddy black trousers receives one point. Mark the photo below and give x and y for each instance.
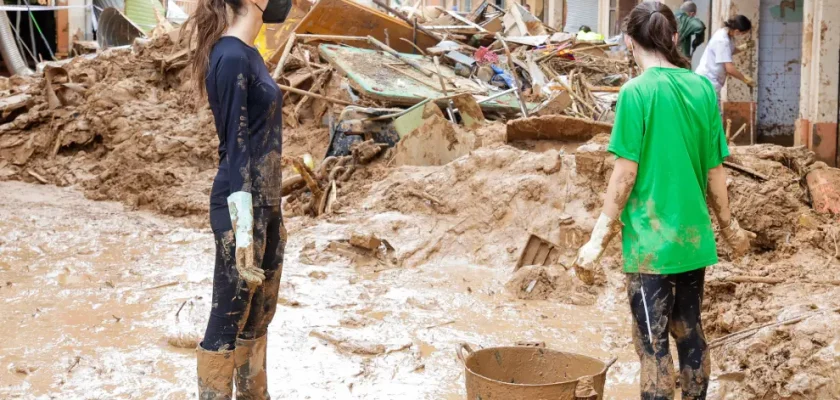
(673, 306)
(239, 310)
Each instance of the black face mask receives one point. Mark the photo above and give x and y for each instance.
(276, 11)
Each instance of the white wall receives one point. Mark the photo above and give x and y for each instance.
(779, 70)
(79, 19)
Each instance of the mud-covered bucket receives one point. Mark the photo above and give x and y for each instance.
(531, 373)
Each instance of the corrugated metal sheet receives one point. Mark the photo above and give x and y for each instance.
(142, 13)
(581, 12)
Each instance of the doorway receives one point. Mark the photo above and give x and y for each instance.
(779, 70)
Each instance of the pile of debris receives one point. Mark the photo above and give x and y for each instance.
(122, 124)
(512, 64)
(514, 116)
(422, 86)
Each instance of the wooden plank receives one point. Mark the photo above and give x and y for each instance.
(555, 127)
(346, 17)
(399, 56)
(400, 16)
(286, 51)
(455, 15)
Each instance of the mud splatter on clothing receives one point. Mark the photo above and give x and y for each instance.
(239, 310)
(244, 100)
(673, 306)
(667, 122)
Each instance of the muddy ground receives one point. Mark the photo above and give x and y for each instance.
(107, 300)
(84, 315)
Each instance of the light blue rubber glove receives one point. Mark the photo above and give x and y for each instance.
(240, 205)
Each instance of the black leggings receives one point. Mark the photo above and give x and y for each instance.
(237, 310)
(673, 304)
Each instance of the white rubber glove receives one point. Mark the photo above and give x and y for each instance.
(240, 205)
(605, 229)
(739, 239)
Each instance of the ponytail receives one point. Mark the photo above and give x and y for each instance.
(739, 23)
(204, 27)
(653, 26)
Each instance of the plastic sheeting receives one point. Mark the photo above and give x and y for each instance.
(116, 30)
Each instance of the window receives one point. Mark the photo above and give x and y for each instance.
(613, 23)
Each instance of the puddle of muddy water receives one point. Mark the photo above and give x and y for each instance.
(89, 294)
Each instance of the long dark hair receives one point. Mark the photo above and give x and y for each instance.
(653, 26)
(205, 26)
(738, 22)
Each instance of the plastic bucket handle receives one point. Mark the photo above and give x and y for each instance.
(460, 352)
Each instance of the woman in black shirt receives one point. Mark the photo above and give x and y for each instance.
(245, 199)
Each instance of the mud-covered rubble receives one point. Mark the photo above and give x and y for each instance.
(135, 135)
(484, 205)
(127, 127)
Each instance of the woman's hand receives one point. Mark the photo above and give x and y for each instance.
(739, 239)
(240, 206)
(605, 229)
(622, 180)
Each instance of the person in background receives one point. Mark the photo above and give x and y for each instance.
(245, 198)
(669, 144)
(690, 26)
(585, 34)
(527, 7)
(716, 63)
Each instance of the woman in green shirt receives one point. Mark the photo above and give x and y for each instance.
(670, 147)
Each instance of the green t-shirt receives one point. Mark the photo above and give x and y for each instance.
(667, 121)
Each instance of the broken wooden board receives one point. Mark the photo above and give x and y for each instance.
(493, 25)
(471, 115)
(528, 40)
(15, 102)
(427, 138)
(558, 103)
(519, 22)
(382, 77)
(538, 251)
(348, 18)
(741, 112)
(555, 127)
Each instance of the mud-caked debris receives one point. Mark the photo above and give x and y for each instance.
(365, 240)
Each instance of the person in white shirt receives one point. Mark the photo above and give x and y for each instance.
(716, 63)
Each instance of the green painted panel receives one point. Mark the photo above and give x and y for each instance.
(373, 72)
(142, 13)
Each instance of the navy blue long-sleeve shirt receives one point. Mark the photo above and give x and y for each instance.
(247, 108)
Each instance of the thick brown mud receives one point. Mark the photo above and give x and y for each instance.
(100, 302)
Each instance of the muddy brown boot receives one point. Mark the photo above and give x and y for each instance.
(215, 374)
(251, 382)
